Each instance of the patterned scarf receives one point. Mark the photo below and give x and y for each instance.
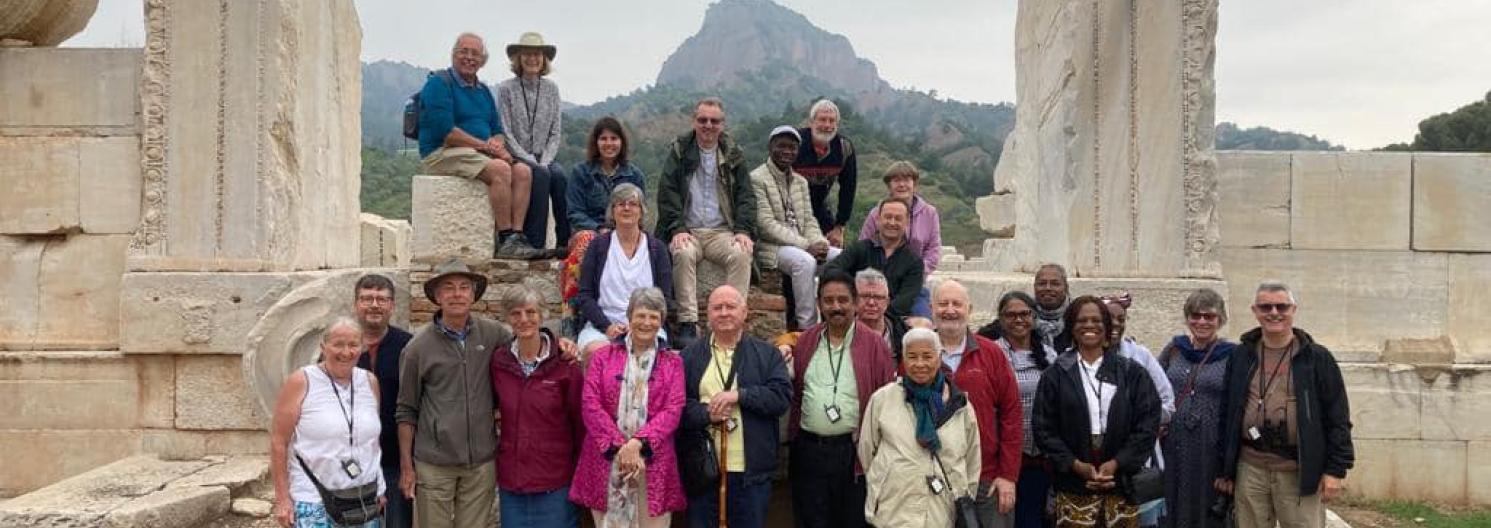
(1050, 322)
(926, 403)
(631, 415)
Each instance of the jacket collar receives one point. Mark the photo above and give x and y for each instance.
(1251, 338)
(507, 360)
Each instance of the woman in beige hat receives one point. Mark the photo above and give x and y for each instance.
(529, 104)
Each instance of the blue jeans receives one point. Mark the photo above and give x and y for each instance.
(747, 508)
(923, 305)
(549, 188)
(1030, 497)
(538, 510)
(399, 512)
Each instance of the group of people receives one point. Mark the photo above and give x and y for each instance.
(1049, 415)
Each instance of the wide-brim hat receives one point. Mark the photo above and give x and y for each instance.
(454, 267)
(532, 40)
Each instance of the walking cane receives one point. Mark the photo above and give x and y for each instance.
(724, 471)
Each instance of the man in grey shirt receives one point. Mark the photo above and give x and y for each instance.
(706, 211)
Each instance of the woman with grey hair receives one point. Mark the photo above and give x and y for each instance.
(625, 260)
(530, 105)
(538, 398)
(326, 419)
(1196, 363)
(633, 400)
(919, 442)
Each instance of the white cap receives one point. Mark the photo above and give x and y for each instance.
(785, 129)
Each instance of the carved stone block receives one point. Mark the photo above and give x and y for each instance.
(451, 218)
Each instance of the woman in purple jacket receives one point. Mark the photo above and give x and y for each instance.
(925, 230)
(633, 398)
(616, 264)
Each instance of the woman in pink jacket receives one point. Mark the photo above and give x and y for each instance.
(633, 398)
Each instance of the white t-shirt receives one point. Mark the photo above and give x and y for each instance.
(321, 435)
(622, 275)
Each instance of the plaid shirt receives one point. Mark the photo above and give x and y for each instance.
(1027, 376)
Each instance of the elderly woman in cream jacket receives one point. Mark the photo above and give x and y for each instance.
(790, 239)
(919, 443)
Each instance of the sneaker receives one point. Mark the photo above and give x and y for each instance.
(514, 247)
(684, 335)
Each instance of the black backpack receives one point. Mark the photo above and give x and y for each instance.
(414, 106)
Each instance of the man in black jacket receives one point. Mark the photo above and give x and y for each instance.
(735, 386)
(374, 305)
(890, 253)
(1286, 431)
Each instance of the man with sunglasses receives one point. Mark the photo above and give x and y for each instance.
(1286, 431)
(706, 211)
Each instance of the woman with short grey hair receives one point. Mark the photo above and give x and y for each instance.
(616, 264)
(628, 474)
(1196, 363)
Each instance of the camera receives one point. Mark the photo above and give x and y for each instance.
(1273, 437)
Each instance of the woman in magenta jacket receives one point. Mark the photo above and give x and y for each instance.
(631, 403)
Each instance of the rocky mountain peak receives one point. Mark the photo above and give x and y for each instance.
(742, 37)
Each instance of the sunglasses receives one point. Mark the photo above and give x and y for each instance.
(708, 120)
(1273, 307)
(1202, 317)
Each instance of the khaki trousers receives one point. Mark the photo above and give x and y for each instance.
(717, 246)
(1267, 497)
(454, 496)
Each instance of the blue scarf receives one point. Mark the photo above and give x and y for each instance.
(1221, 350)
(926, 403)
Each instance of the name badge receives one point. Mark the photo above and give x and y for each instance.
(936, 485)
(1254, 434)
(832, 412)
(351, 468)
(730, 425)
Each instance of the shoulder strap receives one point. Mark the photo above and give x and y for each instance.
(315, 481)
(847, 148)
(734, 367)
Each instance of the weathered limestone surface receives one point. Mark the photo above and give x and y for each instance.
(44, 22)
(1432, 470)
(251, 136)
(1456, 404)
(996, 214)
(86, 390)
(70, 90)
(139, 491)
(70, 184)
(212, 394)
(1469, 279)
(1386, 400)
(451, 218)
(55, 454)
(1357, 200)
(1094, 86)
(385, 242)
(1254, 208)
(1478, 472)
(1350, 301)
(187, 313)
(60, 292)
(1450, 195)
(288, 335)
(174, 444)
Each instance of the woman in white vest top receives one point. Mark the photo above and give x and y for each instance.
(327, 416)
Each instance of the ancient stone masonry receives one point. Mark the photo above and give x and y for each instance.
(43, 22)
(251, 138)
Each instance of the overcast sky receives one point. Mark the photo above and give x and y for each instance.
(1356, 72)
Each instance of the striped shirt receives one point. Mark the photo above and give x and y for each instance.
(1028, 377)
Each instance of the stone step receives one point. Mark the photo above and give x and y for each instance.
(140, 491)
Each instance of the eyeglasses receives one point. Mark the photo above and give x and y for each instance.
(375, 299)
(468, 52)
(1027, 314)
(874, 297)
(1202, 316)
(708, 120)
(629, 203)
(1273, 307)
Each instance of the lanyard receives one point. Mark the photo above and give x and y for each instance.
(1263, 387)
(720, 372)
(351, 401)
(838, 367)
(1097, 390)
(531, 107)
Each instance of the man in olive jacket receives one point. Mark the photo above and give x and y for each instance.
(706, 210)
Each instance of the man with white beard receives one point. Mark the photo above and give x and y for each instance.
(826, 158)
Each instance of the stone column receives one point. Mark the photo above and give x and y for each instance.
(1110, 169)
(251, 140)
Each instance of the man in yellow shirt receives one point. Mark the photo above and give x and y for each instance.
(736, 385)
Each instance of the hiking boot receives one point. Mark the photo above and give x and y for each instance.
(515, 247)
(684, 335)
